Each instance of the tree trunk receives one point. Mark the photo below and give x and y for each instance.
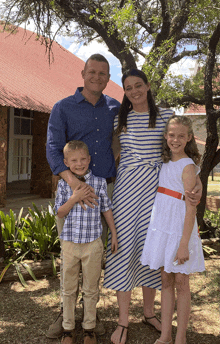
(206, 166)
(212, 132)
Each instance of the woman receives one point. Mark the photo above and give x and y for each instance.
(139, 125)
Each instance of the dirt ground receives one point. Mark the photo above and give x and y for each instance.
(26, 313)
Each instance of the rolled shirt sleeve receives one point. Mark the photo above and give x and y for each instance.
(105, 202)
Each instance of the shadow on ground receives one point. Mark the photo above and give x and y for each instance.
(27, 313)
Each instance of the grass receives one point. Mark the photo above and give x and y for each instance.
(214, 186)
(26, 313)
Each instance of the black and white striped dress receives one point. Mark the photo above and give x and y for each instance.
(133, 198)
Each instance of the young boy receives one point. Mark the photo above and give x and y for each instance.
(81, 240)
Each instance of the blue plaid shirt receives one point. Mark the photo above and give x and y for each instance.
(83, 226)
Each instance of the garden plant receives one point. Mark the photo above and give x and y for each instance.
(31, 237)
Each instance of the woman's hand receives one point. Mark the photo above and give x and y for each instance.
(114, 243)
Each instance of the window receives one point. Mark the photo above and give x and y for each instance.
(23, 121)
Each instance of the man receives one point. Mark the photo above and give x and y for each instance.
(88, 115)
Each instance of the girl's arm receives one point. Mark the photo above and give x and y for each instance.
(110, 221)
(189, 181)
(78, 195)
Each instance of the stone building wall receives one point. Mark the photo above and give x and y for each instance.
(3, 154)
(41, 175)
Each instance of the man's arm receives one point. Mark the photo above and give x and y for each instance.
(195, 195)
(56, 140)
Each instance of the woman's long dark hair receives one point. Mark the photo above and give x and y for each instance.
(126, 105)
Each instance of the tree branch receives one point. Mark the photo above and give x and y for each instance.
(116, 46)
(190, 99)
(138, 51)
(179, 21)
(210, 66)
(143, 24)
(192, 35)
(184, 54)
(165, 30)
(122, 3)
(217, 113)
(216, 159)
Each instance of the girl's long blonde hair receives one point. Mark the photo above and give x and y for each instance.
(191, 147)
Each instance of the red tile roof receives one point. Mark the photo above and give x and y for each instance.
(195, 109)
(28, 81)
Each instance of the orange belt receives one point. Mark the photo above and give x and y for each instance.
(171, 193)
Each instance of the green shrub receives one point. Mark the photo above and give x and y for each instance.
(214, 217)
(32, 237)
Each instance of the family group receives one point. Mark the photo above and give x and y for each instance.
(147, 207)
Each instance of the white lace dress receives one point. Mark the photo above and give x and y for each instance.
(166, 225)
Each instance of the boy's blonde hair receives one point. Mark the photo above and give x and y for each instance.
(191, 148)
(74, 145)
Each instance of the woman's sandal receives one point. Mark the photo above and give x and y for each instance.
(146, 322)
(122, 332)
(160, 341)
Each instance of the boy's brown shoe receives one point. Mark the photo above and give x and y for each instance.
(68, 337)
(89, 337)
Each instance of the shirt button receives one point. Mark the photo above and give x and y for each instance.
(97, 129)
(96, 118)
(93, 164)
(95, 152)
(96, 141)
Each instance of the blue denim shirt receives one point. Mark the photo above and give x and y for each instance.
(74, 118)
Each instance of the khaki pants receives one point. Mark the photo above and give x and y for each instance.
(60, 223)
(90, 256)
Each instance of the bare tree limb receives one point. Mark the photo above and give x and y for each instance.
(186, 53)
(214, 40)
(216, 159)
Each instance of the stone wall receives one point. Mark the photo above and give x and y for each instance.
(41, 175)
(3, 154)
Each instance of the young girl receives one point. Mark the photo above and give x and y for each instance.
(172, 241)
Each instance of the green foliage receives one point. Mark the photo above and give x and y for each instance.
(178, 90)
(124, 20)
(32, 237)
(214, 217)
